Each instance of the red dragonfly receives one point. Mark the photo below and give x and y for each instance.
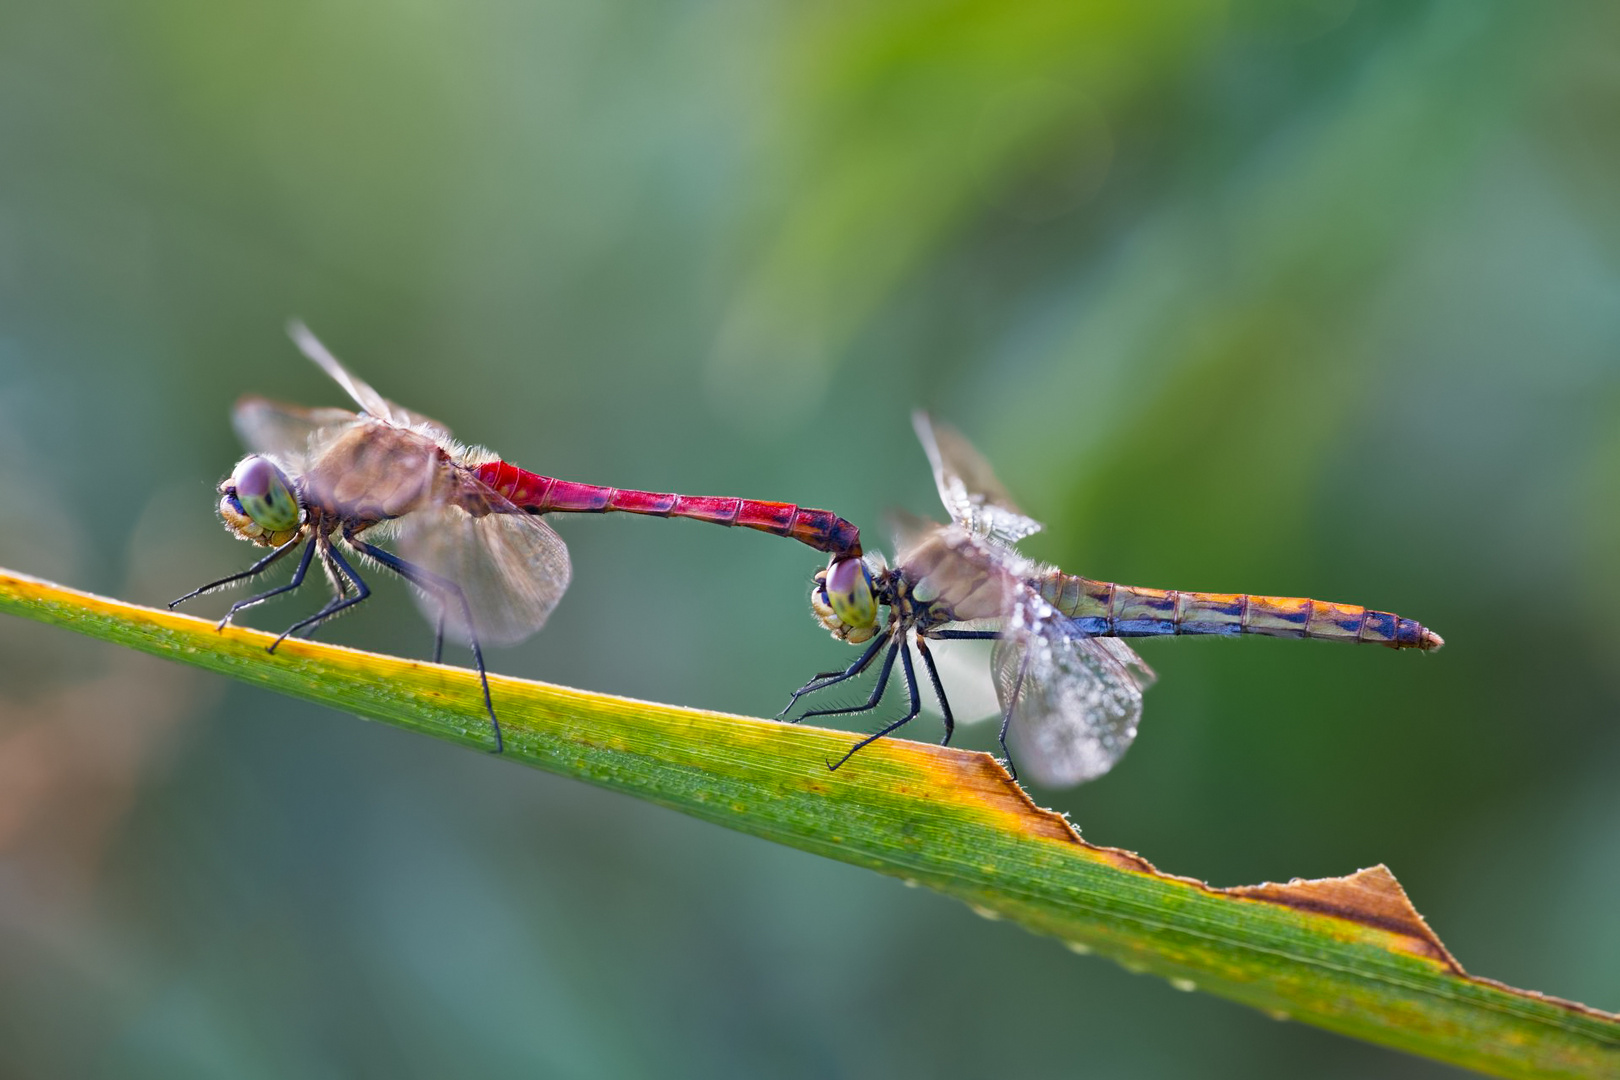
(465, 523)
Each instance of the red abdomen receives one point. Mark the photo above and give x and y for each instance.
(820, 529)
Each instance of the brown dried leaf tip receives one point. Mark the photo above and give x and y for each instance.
(1371, 897)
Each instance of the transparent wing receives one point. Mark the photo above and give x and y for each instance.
(512, 567)
(969, 489)
(371, 402)
(908, 530)
(290, 433)
(1074, 700)
(965, 670)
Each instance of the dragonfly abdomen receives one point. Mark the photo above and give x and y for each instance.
(820, 529)
(1103, 609)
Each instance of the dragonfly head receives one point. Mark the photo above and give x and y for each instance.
(845, 600)
(258, 503)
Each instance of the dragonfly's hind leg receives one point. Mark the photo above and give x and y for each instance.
(341, 571)
(444, 589)
(911, 713)
(933, 675)
(1006, 717)
(832, 678)
(252, 571)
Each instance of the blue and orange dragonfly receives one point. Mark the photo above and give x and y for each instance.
(1070, 689)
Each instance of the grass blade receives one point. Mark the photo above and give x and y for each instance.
(1347, 954)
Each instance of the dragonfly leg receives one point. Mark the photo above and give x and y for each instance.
(445, 589)
(256, 568)
(341, 571)
(297, 580)
(939, 690)
(831, 678)
(911, 713)
(896, 644)
(1006, 717)
(438, 636)
(965, 635)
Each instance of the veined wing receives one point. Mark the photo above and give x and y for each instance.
(371, 402)
(969, 489)
(289, 433)
(511, 566)
(1073, 700)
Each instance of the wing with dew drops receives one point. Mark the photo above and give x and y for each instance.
(1074, 700)
(969, 489)
(371, 402)
(511, 566)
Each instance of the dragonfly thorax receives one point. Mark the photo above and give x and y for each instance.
(258, 503)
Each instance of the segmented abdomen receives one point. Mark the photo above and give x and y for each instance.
(820, 529)
(1104, 609)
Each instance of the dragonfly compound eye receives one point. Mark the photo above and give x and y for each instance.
(258, 502)
(844, 601)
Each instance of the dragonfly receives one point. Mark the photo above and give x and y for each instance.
(485, 567)
(1069, 687)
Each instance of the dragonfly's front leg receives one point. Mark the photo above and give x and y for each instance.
(252, 571)
(297, 580)
(896, 643)
(832, 678)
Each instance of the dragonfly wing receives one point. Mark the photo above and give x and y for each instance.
(968, 487)
(908, 530)
(1073, 700)
(511, 566)
(371, 402)
(965, 672)
(288, 432)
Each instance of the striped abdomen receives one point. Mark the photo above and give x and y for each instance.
(1104, 609)
(821, 529)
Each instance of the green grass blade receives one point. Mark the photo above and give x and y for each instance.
(1347, 954)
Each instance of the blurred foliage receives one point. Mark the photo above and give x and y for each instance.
(1311, 297)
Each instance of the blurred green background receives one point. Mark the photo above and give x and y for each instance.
(1313, 298)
